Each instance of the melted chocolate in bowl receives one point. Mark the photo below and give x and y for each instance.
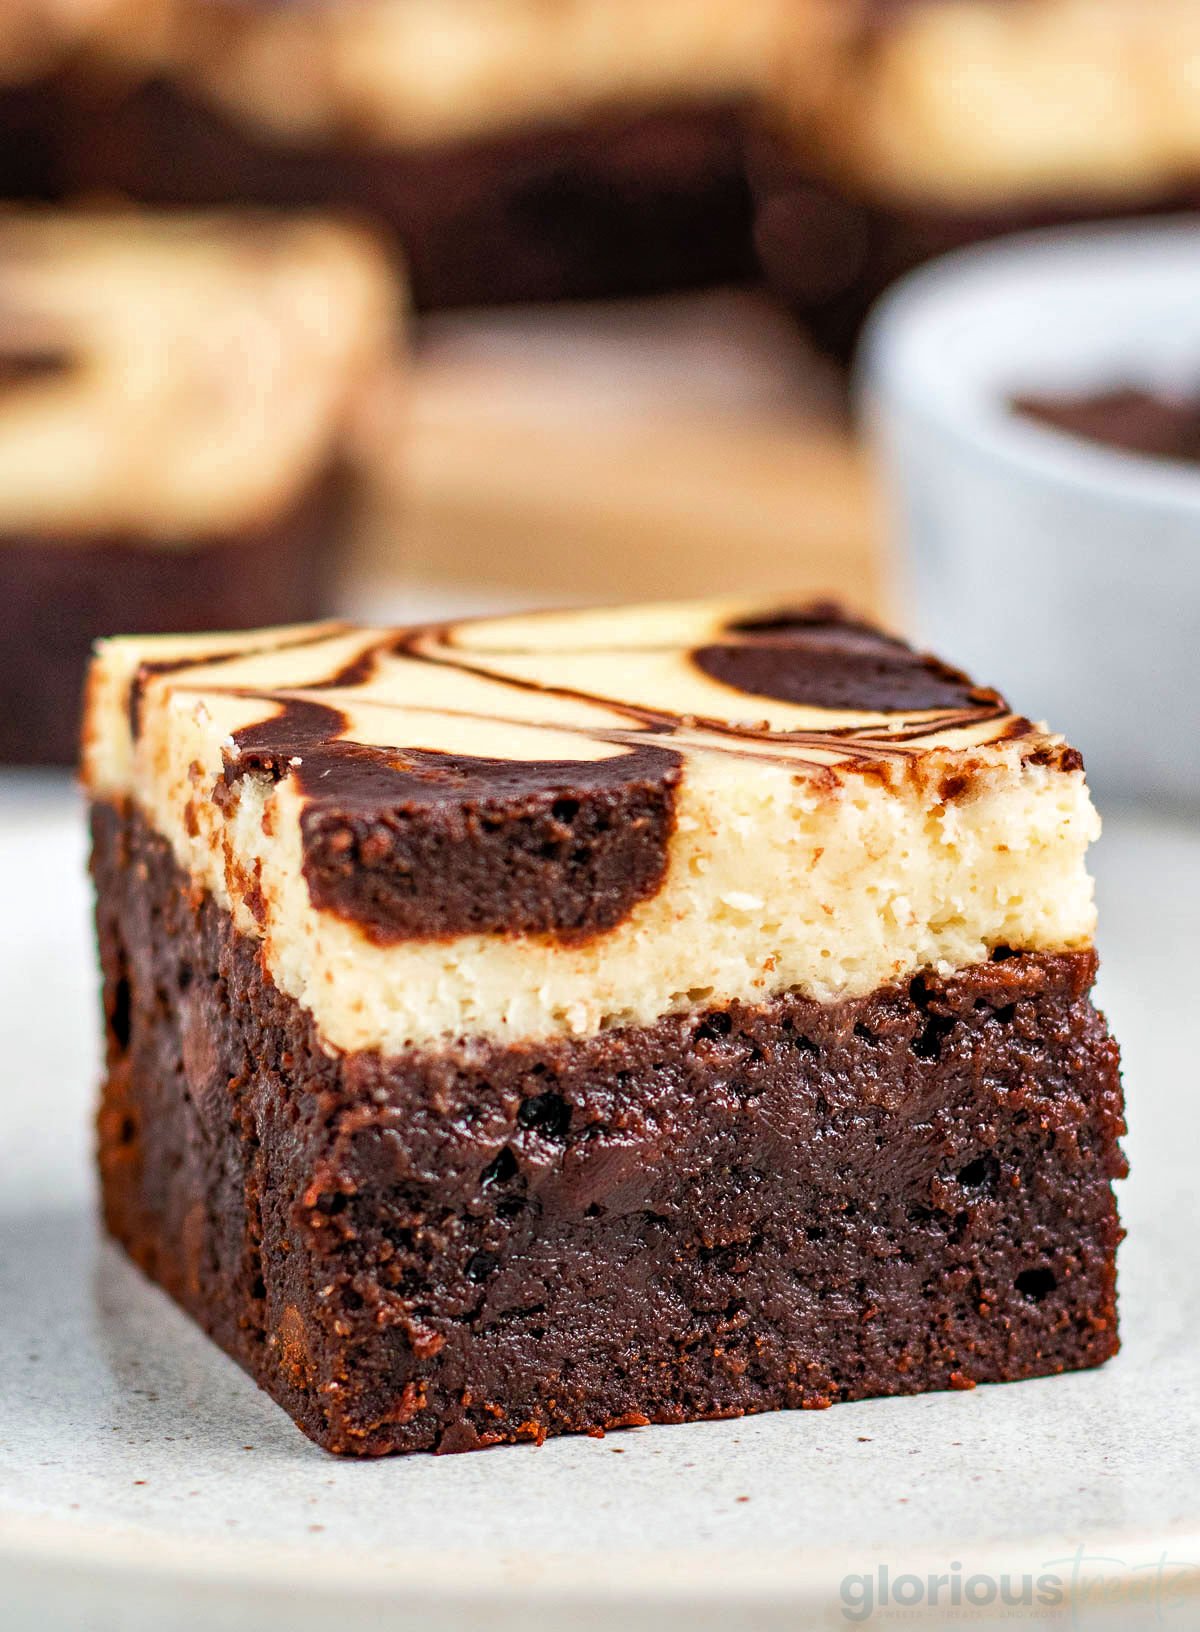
(1128, 418)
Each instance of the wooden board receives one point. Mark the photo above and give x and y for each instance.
(638, 450)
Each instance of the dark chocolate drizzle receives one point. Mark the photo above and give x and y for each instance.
(151, 670)
(805, 643)
(409, 843)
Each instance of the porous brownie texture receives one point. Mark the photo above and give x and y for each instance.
(733, 1211)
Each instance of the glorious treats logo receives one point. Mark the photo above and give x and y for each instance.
(1159, 1589)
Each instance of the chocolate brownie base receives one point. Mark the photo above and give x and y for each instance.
(62, 594)
(727, 1212)
(632, 203)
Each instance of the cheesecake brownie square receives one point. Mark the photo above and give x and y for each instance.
(555, 1023)
(518, 150)
(179, 398)
(914, 127)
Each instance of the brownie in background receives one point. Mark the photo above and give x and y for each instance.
(41, 42)
(177, 398)
(547, 1024)
(904, 129)
(518, 151)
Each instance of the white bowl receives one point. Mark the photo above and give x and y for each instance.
(1063, 571)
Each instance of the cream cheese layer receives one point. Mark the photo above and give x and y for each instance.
(834, 813)
(978, 104)
(173, 377)
(397, 73)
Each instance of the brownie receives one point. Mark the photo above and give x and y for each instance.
(830, 252)
(518, 151)
(205, 479)
(755, 1068)
(903, 129)
(620, 204)
(62, 594)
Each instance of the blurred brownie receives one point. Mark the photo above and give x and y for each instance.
(28, 153)
(520, 151)
(912, 127)
(557, 1023)
(176, 397)
(40, 41)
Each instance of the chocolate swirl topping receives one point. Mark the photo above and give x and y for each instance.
(834, 663)
(415, 844)
(429, 809)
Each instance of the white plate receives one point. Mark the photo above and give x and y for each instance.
(145, 1483)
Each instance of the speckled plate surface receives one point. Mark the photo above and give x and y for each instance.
(145, 1483)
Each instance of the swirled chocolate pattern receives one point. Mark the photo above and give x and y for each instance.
(583, 781)
(434, 806)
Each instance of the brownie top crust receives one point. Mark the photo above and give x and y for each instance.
(410, 72)
(183, 377)
(529, 826)
(977, 104)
